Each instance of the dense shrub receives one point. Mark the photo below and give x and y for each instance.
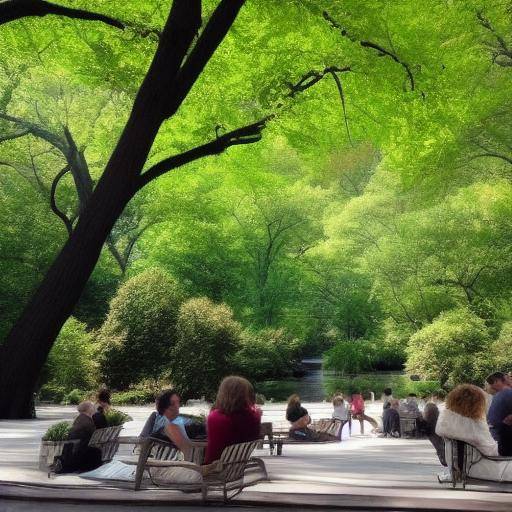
(501, 349)
(115, 417)
(51, 392)
(133, 397)
(401, 385)
(207, 340)
(71, 363)
(58, 432)
(389, 348)
(74, 397)
(140, 330)
(267, 354)
(350, 357)
(454, 348)
(276, 390)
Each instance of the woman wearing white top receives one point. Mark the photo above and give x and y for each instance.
(340, 411)
(464, 420)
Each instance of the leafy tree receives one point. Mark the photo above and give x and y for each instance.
(207, 339)
(453, 349)
(72, 362)
(139, 333)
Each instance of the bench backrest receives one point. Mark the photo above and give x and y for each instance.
(235, 458)
(106, 439)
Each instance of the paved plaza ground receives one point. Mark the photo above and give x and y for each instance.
(363, 469)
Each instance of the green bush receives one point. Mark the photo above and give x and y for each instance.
(208, 338)
(389, 349)
(501, 348)
(277, 390)
(267, 354)
(71, 361)
(453, 349)
(52, 392)
(401, 385)
(115, 417)
(140, 330)
(350, 357)
(74, 397)
(133, 397)
(58, 432)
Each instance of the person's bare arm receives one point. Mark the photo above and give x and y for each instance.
(175, 434)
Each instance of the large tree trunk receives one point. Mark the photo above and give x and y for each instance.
(26, 348)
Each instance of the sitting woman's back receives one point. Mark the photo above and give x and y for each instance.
(340, 409)
(234, 417)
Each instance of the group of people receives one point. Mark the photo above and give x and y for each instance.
(91, 416)
(343, 409)
(234, 418)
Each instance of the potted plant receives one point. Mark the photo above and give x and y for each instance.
(52, 443)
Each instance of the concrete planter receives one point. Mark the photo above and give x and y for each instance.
(48, 451)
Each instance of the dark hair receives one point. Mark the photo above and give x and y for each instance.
(164, 400)
(491, 379)
(412, 394)
(104, 395)
(388, 391)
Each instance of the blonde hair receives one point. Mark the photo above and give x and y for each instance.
(337, 399)
(235, 394)
(467, 400)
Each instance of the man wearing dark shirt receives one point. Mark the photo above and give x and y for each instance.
(498, 416)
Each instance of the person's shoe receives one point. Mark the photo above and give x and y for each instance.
(444, 477)
(383, 435)
(395, 434)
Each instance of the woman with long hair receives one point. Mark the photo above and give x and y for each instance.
(234, 417)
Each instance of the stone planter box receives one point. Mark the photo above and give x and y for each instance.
(48, 451)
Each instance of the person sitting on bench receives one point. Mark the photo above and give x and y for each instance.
(299, 418)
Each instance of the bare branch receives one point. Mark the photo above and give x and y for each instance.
(502, 50)
(383, 52)
(53, 203)
(245, 135)
(14, 135)
(11, 10)
(492, 154)
(342, 97)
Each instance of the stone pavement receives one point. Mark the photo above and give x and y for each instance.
(364, 470)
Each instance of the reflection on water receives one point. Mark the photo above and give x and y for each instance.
(311, 387)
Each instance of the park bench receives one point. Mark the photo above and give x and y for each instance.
(106, 439)
(461, 456)
(282, 437)
(235, 469)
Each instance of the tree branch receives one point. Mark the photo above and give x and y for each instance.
(11, 10)
(502, 49)
(342, 97)
(245, 135)
(383, 52)
(211, 37)
(53, 203)
(492, 154)
(14, 135)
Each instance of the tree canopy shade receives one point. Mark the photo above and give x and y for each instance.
(377, 199)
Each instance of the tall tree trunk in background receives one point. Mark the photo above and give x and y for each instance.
(168, 81)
